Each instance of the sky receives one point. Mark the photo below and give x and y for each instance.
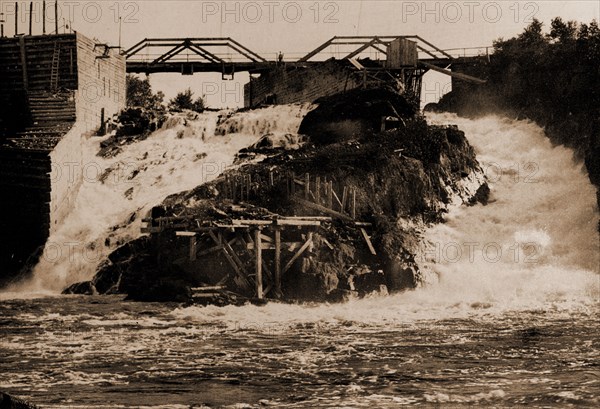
(294, 27)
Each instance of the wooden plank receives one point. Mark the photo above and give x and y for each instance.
(324, 209)
(306, 186)
(239, 269)
(368, 240)
(457, 75)
(330, 195)
(283, 222)
(241, 222)
(258, 263)
(298, 254)
(344, 198)
(186, 233)
(209, 288)
(353, 204)
(337, 199)
(318, 190)
(271, 246)
(312, 218)
(209, 251)
(277, 262)
(193, 248)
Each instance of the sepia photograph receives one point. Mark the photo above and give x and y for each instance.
(299, 204)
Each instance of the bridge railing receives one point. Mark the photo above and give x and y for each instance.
(470, 51)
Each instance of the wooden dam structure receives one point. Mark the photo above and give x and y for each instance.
(256, 249)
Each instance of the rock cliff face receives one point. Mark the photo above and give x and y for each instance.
(556, 85)
(378, 191)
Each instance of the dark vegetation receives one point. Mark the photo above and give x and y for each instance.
(145, 113)
(549, 76)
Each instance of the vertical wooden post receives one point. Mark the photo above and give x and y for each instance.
(258, 251)
(344, 199)
(293, 187)
(241, 188)
(193, 246)
(330, 195)
(277, 261)
(31, 18)
(44, 17)
(24, 62)
(318, 190)
(16, 18)
(249, 187)
(354, 203)
(306, 186)
(56, 17)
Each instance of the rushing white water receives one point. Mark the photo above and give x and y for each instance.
(534, 246)
(118, 192)
(512, 329)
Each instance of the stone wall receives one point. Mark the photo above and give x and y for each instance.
(41, 160)
(101, 83)
(290, 84)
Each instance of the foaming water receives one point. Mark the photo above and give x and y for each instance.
(118, 192)
(533, 247)
(484, 332)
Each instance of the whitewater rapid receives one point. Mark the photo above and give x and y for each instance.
(535, 246)
(509, 318)
(118, 192)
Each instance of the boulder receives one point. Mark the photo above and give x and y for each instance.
(9, 402)
(348, 115)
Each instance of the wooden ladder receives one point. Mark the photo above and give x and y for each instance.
(55, 67)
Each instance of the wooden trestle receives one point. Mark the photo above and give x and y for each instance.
(251, 238)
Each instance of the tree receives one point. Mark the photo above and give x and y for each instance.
(563, 32)
(185, 100)
(139, 94)
(533, 33)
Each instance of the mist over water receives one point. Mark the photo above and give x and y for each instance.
(535, 246)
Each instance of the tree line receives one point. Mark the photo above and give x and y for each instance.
(140, 94)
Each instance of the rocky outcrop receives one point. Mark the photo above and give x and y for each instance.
(9, 402)
(403, 180)
(556, 84)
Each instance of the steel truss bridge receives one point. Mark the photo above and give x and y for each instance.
(188, 56)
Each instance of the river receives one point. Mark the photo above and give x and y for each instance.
(508, 317)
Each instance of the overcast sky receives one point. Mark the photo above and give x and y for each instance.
(295, 27)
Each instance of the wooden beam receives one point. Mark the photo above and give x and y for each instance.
(353, 204)
(232, 259)
(185, 233)
(318, 190)
(324, 209)
(277, 262)
(209, 288)
(368, 240)
(337, 199)
(193, 248)
(299, 253)
(457, 75)
(306, 186)
(258, 263)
